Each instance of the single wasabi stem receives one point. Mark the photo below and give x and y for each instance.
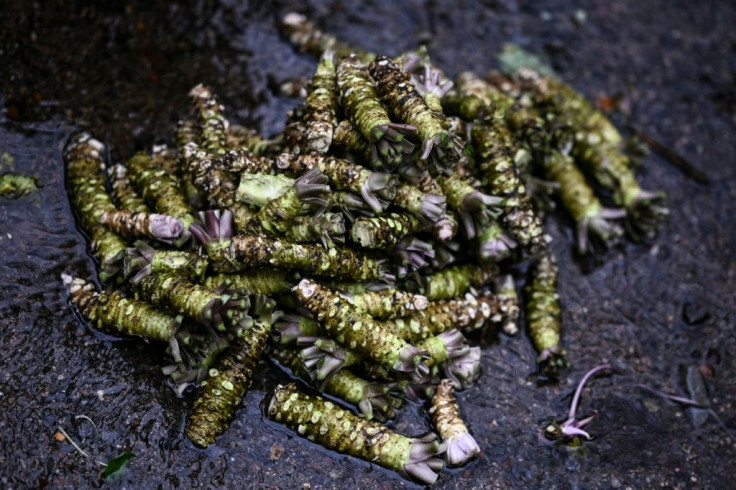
(396, 90)
(161, 190)
(13, 186)
(211, 121)
(455, 281)
(469, 313)
(374, 400)
(244, 138)
(110, 312)
(431, 83)
(597, 149)
(242, 161)
(257, 189)
(356, 287)
(265, 281)
(292, 326)
(385, 231)
(88, 193)
(133, 224)
(325, 423)
(377, 189)
(411, 255)
(451, 350)
(326, 228)
(230, 377)
(494, 245)
(230, 253)
(508, 298)
(544, 317)
(216, 183)
(578, 199)
(474, 208)
(187, 131)
(142, 260)
(429, 208)
(277, 216)
(460, 447)
(387, 303)
(356, 330)
(123, 192)
(348, 136)
(309, 39)
(364, 109)
(225, 311)
(321, 105)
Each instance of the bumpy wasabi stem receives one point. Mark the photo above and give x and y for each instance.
(211, 121)
(327, 228)
(320, 117)
(348, 136)
(543, 316)
(194, 356)
(373, 399)
(211, 179)
(132, 224)
(230, 378)
(376, 188)
(123, 191)
(143, 260)
(578, 199)
(245, 161)
(266, 281)
(187, 131)
(358, 331)
(257, 189)
(460, 447)
(112, 313)
(161, 190)
(428, 207)
(509, 305)
(461, 362)
(384, 232)
(363, 108)
(469, 313)
(396, 90)
(388, 303)
(327, 424)
(86, 180)
(456, 281)
(474, 208)
(226, 311)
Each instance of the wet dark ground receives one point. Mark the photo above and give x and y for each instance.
(123, 69)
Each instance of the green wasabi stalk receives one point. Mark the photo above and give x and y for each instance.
(123, 191)
(456, 281)
(187, 131)
(161, 190)
(230, 377)
(376, 188)
(211, 121)
(508, 299)
(112, 313)
(460, 447)
(277, 216)
(262, 281)
(543, 316)
(384, 232)
(86, 181)
(356, 330)
(308, 38)
(257, 189)
(387, 303)
(229, 253)
(348, 136)
(578, 199)
(348, 204)
(428, 207)
(373, 399)
(327, 228)
(132, 224)
(212, 180)
(461, 362)
(469, 313)
(325, 423)
(143, 260)
(245, 161)
(396, 90)
(362, 106)
(321, 105)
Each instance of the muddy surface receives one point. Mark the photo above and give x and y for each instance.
(123, 69)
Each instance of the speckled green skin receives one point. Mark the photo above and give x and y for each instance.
(86, 181)
(123, 192)
(359, 99)
(466, 314)
(387, 303)
(114, 314)
(350, 326)
(456, 281)
(257, 189)
(325, 423)
(456, 187)
(181, 263)
(543, 313)
(211, 121)
(228, 380)
(178, 294)
(384, 232)
(320, 111)
(575, 194)
(493, 143)
(347, 135)
(210, 178)
(262, 281)
(411, 198)
(161, 190)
